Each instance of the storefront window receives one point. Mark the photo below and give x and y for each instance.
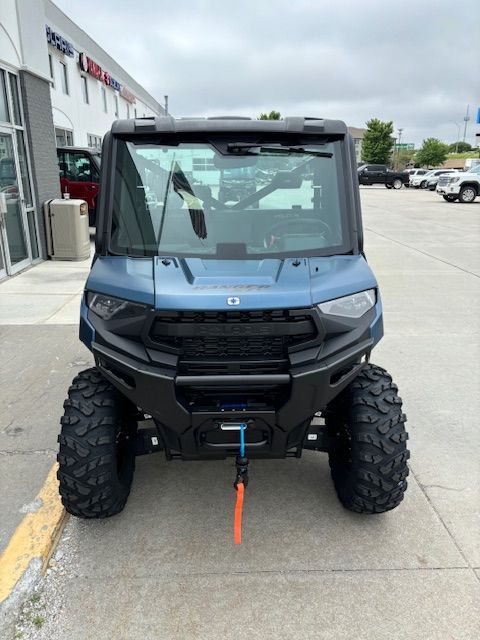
(63, 137)
(64, 78)
(22, 160)
(4, 115)
(104, 99)
(85, 89)
(50, 65)
(17, 114)
(33, 234)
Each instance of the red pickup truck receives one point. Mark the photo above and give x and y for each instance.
(80, 175)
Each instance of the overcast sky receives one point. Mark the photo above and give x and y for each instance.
(416, 62)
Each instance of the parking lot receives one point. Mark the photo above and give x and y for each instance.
(166, 567)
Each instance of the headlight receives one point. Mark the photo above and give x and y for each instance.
(452, 180)
(353, 306)
(108, 307)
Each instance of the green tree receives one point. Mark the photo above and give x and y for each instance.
(459, 147)
(377, 144)
(273, 115)
(432, 153)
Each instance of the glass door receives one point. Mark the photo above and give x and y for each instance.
(15, 249)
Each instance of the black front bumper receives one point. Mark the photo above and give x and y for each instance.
(201, 431)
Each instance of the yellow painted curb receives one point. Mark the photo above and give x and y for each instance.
(34, 538)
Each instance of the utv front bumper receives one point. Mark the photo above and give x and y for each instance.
(198, 408)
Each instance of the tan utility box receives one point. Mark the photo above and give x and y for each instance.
(68, 236)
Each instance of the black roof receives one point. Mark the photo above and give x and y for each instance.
(168, 124)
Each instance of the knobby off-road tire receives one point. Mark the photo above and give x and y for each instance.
(96, 455)
(368, 461)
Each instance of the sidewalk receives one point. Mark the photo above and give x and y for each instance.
(39, 354)
(48, 293)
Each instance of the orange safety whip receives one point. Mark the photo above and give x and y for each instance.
(237, 520)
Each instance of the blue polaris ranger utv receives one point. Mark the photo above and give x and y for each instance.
(235, 327)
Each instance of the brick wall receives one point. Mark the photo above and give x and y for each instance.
(37, 108)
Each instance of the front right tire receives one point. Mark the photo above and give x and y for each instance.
(368, 460)
(96, 455)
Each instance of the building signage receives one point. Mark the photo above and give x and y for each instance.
(128, 95)
(60, 43)
(95, 70)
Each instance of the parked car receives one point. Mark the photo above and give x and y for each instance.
(414, 172)
(381, 174)
(421, 181)
(433, 180)
(80, 175)
(464, 187)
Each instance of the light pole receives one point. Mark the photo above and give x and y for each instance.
(466, 119)
(458, 135)
(166, 105)
(398, 147)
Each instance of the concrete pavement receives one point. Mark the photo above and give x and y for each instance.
(166, 566)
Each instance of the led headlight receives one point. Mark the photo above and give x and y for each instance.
(454, 179)
(108, 307)
(353, 306)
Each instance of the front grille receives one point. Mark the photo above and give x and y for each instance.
(233, 341)
(443, 181)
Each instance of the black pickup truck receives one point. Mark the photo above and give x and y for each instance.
(381, 174)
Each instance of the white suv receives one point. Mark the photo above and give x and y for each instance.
(422, 180)
(464, 187)
(414, 172)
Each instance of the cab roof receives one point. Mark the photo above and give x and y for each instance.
(221, 124)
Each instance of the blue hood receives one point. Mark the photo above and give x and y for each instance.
(194, 283)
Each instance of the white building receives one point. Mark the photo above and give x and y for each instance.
(89, 89)
(57, 87)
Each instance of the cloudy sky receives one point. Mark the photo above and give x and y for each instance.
(415, 62)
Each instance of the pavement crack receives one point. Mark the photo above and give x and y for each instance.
(437, 513)
(20, 452)
(259, 572)
(425, 253)
(439, 486)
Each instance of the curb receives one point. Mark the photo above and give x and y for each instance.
(29, 549)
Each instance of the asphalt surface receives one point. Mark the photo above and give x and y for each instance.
(166, 567)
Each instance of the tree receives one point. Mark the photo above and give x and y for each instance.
(273, 115)
(377, 143)
(432, 153)
(460, 147)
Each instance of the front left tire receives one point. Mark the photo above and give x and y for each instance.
(467, 194)
(397, 183)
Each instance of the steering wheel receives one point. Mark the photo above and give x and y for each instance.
(276, 233)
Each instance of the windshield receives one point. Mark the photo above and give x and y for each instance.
(227, 200)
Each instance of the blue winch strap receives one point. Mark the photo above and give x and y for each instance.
(243, 426)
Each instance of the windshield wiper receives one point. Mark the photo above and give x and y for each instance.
(251, 148)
